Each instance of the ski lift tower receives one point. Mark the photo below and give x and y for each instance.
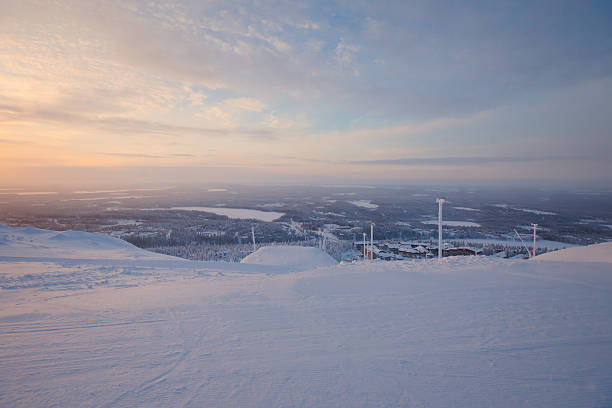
(440, 201)
(365, 248)
(253, 236)
(535, 226)
(323, 233)
(372, 241)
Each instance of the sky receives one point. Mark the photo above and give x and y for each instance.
(306, 92)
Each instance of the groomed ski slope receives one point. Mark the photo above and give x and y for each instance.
(157, 331)
(292, 258)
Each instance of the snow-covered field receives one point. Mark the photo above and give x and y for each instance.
(448, 223)
(142, 329)
(466, 209)
(538, 212)
(364, 204)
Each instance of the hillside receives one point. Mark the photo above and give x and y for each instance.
(591, 253)
(139, 329)
(34, 242)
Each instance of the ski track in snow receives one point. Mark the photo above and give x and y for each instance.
(464, 331)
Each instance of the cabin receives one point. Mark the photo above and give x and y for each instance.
(461, 251)
(385, 256)
(407, 251)
(412, 250)
(391, 247)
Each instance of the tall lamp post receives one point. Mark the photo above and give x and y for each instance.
(372, 241)
(253, 236)
(535, 226)
(365, 248)
(440, 201)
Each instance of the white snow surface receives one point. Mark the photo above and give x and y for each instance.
(466, 208)
(590, 253)
(538, 212)
(291, 257)
(145, 331)
(449, 223)
(34, 242)
(239, 213)
(364, 204)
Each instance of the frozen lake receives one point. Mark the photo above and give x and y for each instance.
(364, 204)
(452, 223)
(239, 213)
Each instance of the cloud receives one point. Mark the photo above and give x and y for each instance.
(345, 52)
(232, 111)
(335, 79)
(195, 98)
(150, 156)
(461, 161)
(244, 104)
(15, 142)
(8, 109)
(440, 61)
(405, 135)
(128, 126)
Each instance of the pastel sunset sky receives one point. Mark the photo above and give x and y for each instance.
(306, 91)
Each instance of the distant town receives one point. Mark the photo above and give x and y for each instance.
(221, 222)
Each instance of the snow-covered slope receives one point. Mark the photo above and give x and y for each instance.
(290, 257)
(29, 241)
(591, 253)
(462, 332)
(35, 258)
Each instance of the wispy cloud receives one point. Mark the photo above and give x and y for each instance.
(150, 156)
(15, 142)
(461, 161)
(127, 126)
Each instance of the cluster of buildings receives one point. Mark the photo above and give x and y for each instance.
(391, 251)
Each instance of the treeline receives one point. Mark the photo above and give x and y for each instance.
(494, 248)
(190, 237)
(236, 252)
(207, 252)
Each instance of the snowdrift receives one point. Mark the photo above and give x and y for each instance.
(32, 258)
(30, 241)
(590, 253)
(90, 240)
(291, 257)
